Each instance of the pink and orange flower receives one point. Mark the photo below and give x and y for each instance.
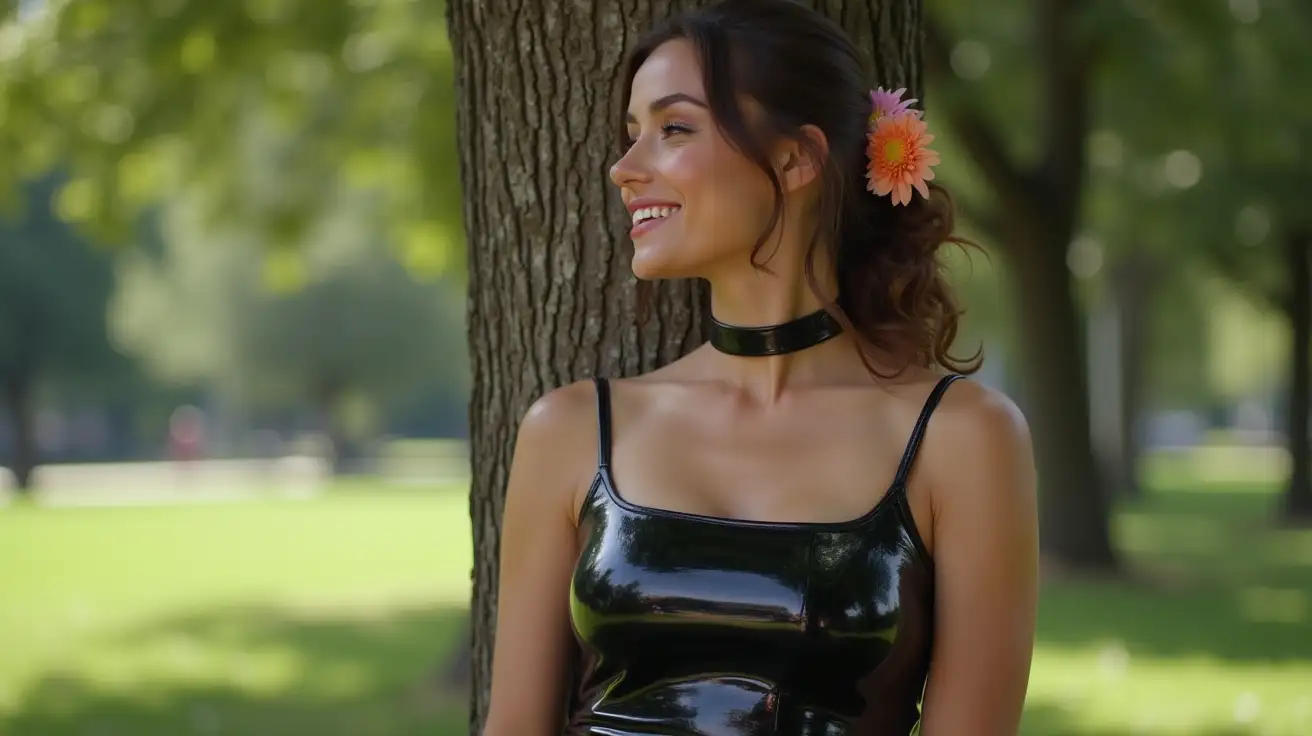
(897, 148)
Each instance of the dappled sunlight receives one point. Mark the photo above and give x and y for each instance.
(1274, 605)
(266, 667)
(1214, 533)
(250, 665)
(1207, 635)
(1232, 468)
(278, 276)
(1181, 535)
(330, 617)
(1294, 548)
(348, 632)
(1106, 688)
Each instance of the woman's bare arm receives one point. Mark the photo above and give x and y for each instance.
(979, 466)
(538, 549)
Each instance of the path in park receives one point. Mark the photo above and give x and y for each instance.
(157, 483)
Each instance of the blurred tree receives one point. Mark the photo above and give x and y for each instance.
(54, 287)
(268, 105)
(1025, 128)
(1173, 186)
(536, 134)
(1268, 160)
(334, 323)
(1135, 257)
(1087, 157)
(1249, 216)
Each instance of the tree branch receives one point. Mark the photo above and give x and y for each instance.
(1010, 184)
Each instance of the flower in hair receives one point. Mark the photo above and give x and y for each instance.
(884, 103)
(896, 148)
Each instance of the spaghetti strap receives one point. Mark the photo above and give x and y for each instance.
(603, 422)
(918, 433)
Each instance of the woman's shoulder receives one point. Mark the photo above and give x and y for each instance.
(973, 412)
(574, 410)
(569, 409)
(976, 437)
(556, 444)
(967, 400)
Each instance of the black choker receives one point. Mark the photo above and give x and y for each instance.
(789, 337)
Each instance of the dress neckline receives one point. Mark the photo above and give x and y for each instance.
(607, 484)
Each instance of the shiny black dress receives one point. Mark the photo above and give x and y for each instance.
(692, 625)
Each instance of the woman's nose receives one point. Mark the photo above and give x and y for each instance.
(630, 168)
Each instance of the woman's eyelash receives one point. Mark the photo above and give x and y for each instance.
(671, 128)
(667, 130)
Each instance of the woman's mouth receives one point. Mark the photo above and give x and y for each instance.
(649, 218)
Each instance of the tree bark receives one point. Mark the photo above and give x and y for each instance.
(22, 413)
(550, 289)
(1298, 495)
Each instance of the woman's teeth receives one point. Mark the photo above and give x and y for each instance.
(652, 213)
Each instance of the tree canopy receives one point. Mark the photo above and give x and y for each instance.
(270, 106)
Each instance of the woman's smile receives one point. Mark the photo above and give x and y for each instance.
(648, 216)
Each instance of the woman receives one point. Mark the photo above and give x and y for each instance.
(769, 535)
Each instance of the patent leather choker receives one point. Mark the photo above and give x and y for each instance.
(789, 337)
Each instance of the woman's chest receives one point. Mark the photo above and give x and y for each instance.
(648, 577)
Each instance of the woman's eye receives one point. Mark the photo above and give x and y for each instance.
(667, 130)
(670, 129)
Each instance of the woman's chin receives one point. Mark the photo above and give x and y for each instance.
(671, 258)
(649, 264)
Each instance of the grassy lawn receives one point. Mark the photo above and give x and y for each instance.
(1214, 637)
(321, 617)
(326, 618)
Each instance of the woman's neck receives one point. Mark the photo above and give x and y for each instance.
(756, 299)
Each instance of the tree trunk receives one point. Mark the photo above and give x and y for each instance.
(550, 289)
(1037, 209)
(327, 397)
(1132, 286)
(1298, 496)
(22, 412)
(1074, 511)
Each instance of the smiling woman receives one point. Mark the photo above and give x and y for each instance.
(769, 536)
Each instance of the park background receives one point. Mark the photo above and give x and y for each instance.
(274, 272)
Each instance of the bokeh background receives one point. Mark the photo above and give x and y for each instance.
(234, 378)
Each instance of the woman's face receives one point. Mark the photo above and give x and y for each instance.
(697, 204)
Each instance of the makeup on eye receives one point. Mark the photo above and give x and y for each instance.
(667, 129)
(659, 106)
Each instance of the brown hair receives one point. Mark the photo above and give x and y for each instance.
(803, 69)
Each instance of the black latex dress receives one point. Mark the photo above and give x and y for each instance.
(691, 625)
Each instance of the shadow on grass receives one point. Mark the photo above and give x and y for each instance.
(1045, 719)
(1212, 575)
(259, 672)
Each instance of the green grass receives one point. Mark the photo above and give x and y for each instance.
(1212, 638)
(324, 617)
(327, 617)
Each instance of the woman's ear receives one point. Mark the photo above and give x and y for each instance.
(800, 163)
